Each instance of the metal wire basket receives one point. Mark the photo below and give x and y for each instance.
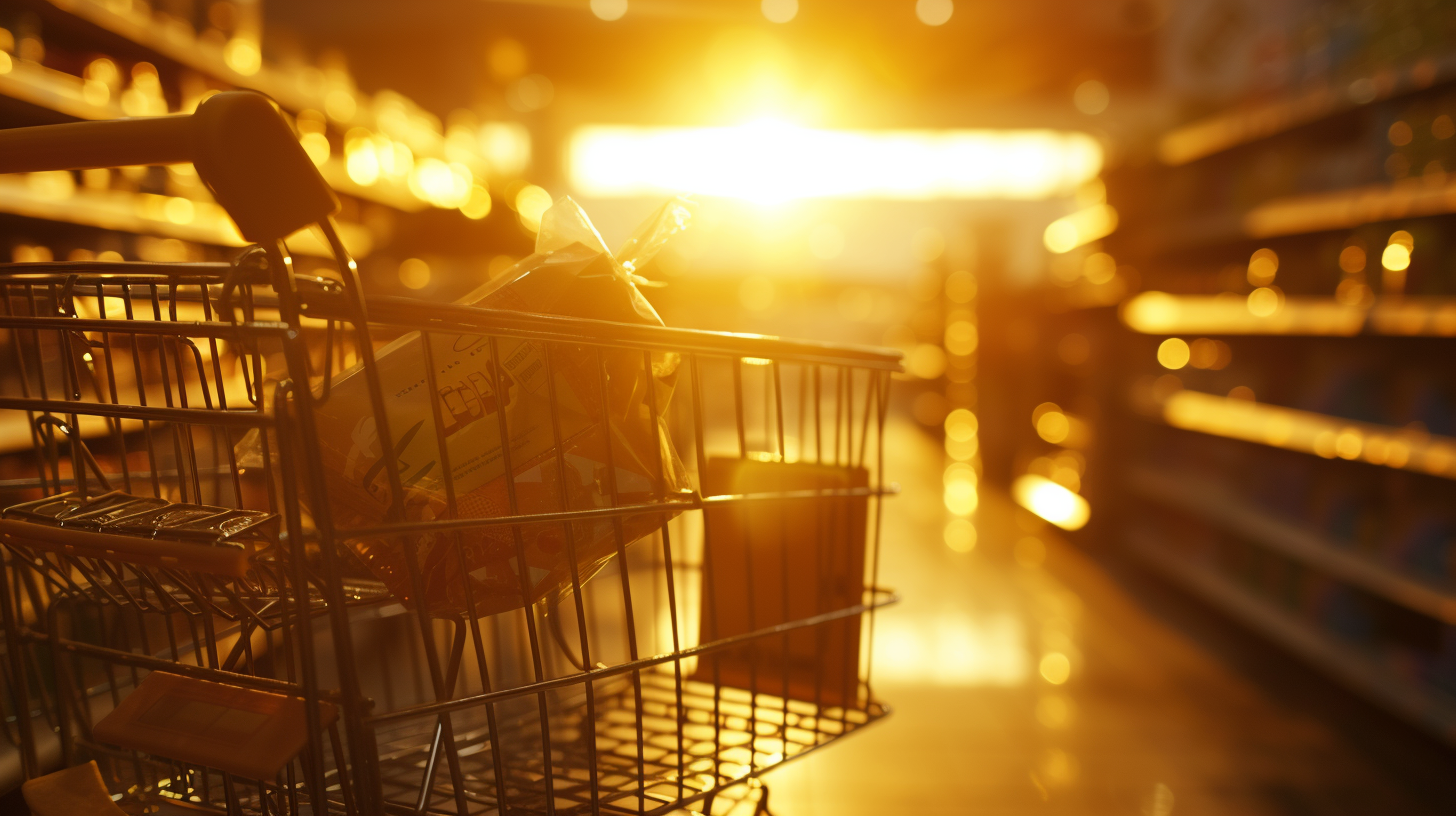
(718, 632)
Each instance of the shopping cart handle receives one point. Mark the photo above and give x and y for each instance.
(243, 150)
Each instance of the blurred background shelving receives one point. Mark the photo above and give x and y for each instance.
(1283, 412)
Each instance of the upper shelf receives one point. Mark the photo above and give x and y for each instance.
(203, 222)
(1328, 437)
(1164, 313)
(1250, 123)
(1310, 213)
(428, 164)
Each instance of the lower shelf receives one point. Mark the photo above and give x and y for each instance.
(1426, 707)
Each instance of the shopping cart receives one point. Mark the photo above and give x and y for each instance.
(155, 579)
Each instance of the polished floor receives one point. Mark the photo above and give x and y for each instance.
(1025, 678)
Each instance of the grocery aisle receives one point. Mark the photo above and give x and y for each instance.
(1146, 721)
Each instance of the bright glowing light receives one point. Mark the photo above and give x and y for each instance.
(1173, 353)
(1091, 97)
(1307, 432)
(1162, 313)
(1262, 266)
(1051, 501)
(1082, 227)
(826, 242)
(441, 184)
(961, 425)
(954, 649)
(961, 338)
(243, 56)
(771, 161)
(478, 205)
(506, 146)
(934, 12)
(179, 210)
(609, 9)
(779, 11)
(1396, 258)
(1053, 427)
(316, 145)
(340, 105)
(1264, 301)
(531, 203)
(926, 361)
(960, 535)
(414, 273)
(1056, 668)
(361, 158)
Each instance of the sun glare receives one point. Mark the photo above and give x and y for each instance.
(771, 161)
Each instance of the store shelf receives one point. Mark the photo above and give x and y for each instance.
(1311, 213)
(1328, 437)
(1164, 313)
(52, 90)
(1345, 209)
(66, 94)
(1211, 501)
(1428, 708)
(1251, 123)
(179, 43)
(202, 222)
(388, 192)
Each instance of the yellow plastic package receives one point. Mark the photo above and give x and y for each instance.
(602, 413)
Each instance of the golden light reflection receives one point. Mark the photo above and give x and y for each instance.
(960, 535)
(1306, 432)
(960, 495)
(1080, 228)
(1263, 264)
(1059, 427)
(414, 273)
(961, 425)
(1265, 301)
(953, 649)
(531, 203)
(1055, 668)
(1051, 501)
(1174, 353)
(1163, 313)
(773, 161)
(934, 12)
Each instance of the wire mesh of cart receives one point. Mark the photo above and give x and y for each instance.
(656, 583)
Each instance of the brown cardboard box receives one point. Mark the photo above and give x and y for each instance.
(778, 561)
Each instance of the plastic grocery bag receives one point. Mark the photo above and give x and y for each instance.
(602, 414)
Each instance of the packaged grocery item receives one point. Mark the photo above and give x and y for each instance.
(773, 561)
(602, 410)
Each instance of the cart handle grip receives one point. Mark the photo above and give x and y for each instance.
(243, 149)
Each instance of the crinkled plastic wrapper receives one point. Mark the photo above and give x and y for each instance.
(573, 274)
